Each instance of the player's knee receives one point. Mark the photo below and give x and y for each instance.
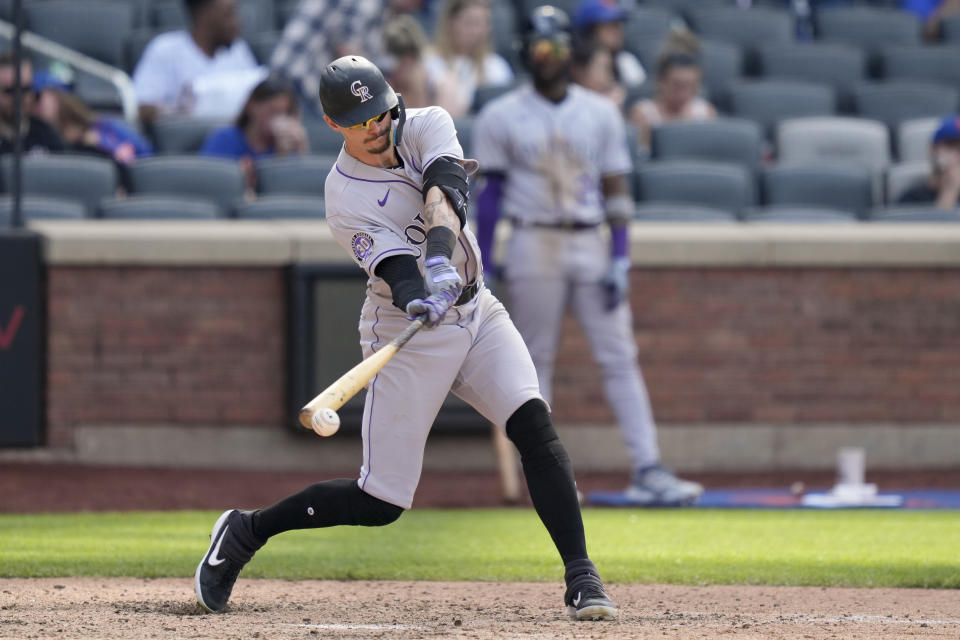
(374, 512)
(530, 427)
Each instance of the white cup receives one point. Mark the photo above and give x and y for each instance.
(851, 465)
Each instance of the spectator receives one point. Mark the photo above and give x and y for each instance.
(323, 30)
(405, 44)
(932, 12)
(463, 59)
(268, 125)
(37, 135)
(942, 186)
(592, 68)
(204, 72)
(602, 22)
(677, 97)
(83, 131)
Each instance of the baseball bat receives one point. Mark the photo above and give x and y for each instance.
(350, 383)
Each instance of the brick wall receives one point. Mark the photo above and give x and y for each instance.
(164, 345)
(206, 346)
(784, 345)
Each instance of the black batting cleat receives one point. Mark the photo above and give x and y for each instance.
(232, 544)
(585, 597)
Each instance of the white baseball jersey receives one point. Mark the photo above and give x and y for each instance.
(552, 153)
(553, 156)
(476, 352)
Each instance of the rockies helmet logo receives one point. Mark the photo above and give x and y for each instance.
(361, 91)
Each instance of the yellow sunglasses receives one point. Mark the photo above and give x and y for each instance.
(369, 121)
(543, 49)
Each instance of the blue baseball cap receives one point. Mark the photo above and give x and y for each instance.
(948, 131)
(591, 12)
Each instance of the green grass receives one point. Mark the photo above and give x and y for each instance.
(851, 548)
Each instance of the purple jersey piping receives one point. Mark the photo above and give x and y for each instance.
(373, 397)
(347, 175)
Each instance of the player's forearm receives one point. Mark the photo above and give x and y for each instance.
(437, 212)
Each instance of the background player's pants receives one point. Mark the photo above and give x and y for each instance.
(476, 353)
(547, 270)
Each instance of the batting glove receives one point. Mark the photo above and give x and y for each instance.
(433, 308)
(616, 282)
(439, 276)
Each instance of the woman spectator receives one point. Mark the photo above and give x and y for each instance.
(268, 125)
(677, 96)
(464, 59)
(592, 67)
(406, 44)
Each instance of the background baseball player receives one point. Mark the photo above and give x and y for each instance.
(396, 201)
(555, 160)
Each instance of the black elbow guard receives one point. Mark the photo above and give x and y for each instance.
(450, 176)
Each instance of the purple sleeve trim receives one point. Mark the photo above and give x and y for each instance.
(488, 213)
(618, 241)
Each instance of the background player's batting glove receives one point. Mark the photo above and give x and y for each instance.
(434, 307)
(440, 276)
(616, 282)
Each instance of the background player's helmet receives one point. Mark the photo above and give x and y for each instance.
(546, 24)
(353, 90)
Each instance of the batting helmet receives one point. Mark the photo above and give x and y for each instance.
(353, 90)
(546, 23)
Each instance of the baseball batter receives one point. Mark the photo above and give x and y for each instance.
(555, 160)
(396, 202)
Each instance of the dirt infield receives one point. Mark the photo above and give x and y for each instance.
(136, 608)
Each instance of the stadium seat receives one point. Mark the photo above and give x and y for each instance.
(279, 207)
(840, 66)
(720, 185)
(685, 8)
(181, 134)
(486, 94)
(256, 17)
(169, 14)
(914, 137)
(856, 141)
(159, 208)
(97, 28)
(323, 139)
(84, 178)
(869, 28)
(215, 179)
(721, 63)
(284, 10)
(841, 187)
(680, 212)
(896, 101)
(748, 29)
(503, 28)
(950, 29)
(263, 44)
(42, 208)
(464, 127)
(770, 101)
(646, 26)
(904, 176)
(294, 175)
(798, 214)
(914, 214)
(725, 140)
(137, 41)
(937, 64)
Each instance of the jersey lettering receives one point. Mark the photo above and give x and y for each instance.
(418, 231)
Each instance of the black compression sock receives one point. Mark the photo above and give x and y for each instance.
(549, 478)
(325, 504)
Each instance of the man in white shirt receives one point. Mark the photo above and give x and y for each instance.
(205, 72)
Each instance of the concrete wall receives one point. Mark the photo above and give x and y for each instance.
(762, 346)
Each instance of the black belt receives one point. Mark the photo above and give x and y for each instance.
(566, 225)
(467, 294)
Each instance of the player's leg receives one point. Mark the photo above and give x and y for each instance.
(401, 404)
(499, 380)
(538, 293)
(614, 348)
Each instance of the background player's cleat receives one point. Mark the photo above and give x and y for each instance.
(585, 597)
(232, 544)
(657, 486)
